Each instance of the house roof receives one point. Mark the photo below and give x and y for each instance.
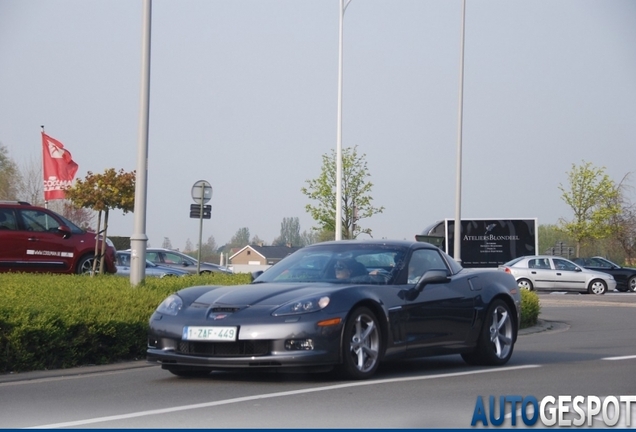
(269, 252)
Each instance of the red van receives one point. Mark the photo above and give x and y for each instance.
(36, 239)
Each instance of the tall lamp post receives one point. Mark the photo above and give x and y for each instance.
(338, 227)
(139, 239)
(458, 191)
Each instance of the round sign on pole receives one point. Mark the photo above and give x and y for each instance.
(201, 192)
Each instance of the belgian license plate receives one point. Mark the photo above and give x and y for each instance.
(209, 333)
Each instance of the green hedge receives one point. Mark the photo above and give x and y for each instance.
(530, 308)
(54, 322)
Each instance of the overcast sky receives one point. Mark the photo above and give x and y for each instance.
(243, 94)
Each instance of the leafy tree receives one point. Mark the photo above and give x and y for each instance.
(356, 198)
(188, 247)
(256, 240)
(311, 237)
(101, 193)
(167, 244)
(289, 233)
(240, 239)
(624, 223)
(208, 250)
(592, 197)
(10, 177)
(550, 236)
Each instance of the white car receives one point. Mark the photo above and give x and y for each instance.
(547, 272)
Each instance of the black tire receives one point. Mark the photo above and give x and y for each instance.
(597, 286)
(361, 345)
(85, 265)
(525, 284)
(188, 372)
(497, 338)
(631, 283)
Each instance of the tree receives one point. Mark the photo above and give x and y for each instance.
(592, 197)
(356, 198)
(624, 223)
(289, 233)
(208, 250)
(32, 187)
(311, 237)
(167, 244)
(188, 247)
(101, 193)
(10, 177)
(241, 238)
(550, 236)
(256, 240)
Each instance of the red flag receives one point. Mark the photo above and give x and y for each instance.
(59, 168)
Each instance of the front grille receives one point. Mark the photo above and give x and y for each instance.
(225, 349)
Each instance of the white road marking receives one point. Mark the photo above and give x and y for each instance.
(629, 357)
(271, 395)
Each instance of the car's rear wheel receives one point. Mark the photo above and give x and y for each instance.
(496, 341)
(598, 287)
(190, 372)
(525, 284)
(631, 283)
(361, 344)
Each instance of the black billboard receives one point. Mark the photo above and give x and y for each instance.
(485, 242)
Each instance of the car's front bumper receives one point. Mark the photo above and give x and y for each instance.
(283, 344)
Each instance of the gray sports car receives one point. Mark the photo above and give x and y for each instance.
(345, 304)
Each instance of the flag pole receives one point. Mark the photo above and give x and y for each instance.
(46, 202)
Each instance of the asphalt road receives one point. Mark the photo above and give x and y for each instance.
(585, 345)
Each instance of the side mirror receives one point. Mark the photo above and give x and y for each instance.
(432, 277)
(255, 274)
(64, 230)
(578, 269)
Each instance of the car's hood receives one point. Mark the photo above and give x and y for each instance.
(270, 294)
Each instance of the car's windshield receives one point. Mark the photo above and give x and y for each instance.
(339, 263)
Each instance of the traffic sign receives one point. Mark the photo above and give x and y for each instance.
(201, 192)
(195, 211)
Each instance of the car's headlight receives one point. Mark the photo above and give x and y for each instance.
(308, 305)
(170, 306)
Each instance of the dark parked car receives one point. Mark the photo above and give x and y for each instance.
(625, 277)
(36, 239)
(175, 259)
(344, 304)
(152, 269)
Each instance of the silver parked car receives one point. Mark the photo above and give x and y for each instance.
(122, 263)
(178, 260)
(547, 272)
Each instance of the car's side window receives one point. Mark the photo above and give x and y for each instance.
(423, 260)
(173, 259)
(563, 265)
(7, 220)
(153, 256)
(39, 221)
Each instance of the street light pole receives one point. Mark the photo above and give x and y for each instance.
(458, 191)
(338, 216)
(139, 239)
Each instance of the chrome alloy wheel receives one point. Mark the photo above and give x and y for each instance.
(501, 332)
(364, 346)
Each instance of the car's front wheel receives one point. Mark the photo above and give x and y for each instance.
(85, 265)
(525, 284)
(361, 344)
(497, 337)
(598, 287)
